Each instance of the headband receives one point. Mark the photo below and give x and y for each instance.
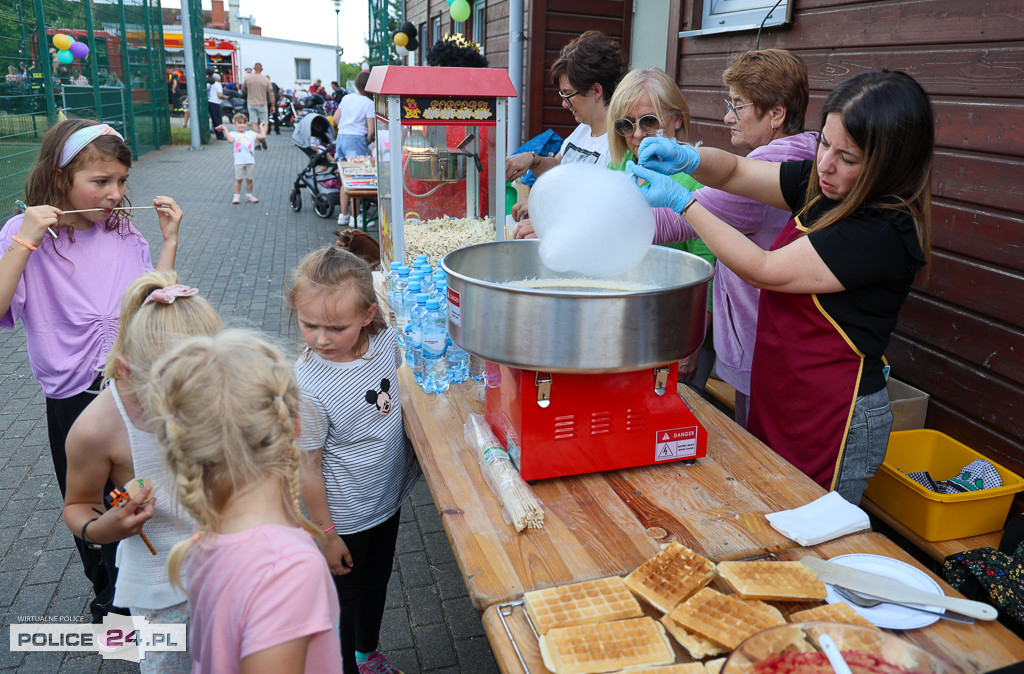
(169, 294)
(79, 139)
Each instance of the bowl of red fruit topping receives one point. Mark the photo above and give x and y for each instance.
(796, 649)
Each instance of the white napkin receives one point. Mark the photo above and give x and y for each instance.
(828, 517)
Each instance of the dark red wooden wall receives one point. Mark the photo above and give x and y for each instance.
(961, 333)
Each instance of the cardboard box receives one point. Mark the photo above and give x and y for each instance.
(909, 405)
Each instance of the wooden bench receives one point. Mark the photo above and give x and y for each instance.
(937, 550)
(722, 392)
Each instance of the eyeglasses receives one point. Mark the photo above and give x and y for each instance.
(569, 95)
(649, 125)
(734, 109)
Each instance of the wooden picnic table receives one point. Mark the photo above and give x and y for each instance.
(360, 195)
(608, 523)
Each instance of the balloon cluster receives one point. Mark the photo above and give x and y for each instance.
(68, 50)
(459, 10)
(405, 39)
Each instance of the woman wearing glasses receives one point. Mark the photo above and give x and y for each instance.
(765, 112)
(836, 276)
(586, 73)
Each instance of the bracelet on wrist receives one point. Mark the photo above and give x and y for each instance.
(536, 160)
(329, 528)
(84, 527)
(24, 243)
(689, 203)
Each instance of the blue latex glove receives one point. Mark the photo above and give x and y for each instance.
(664, 155)
(660, 190)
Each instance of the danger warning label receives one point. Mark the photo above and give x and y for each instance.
(675, 443)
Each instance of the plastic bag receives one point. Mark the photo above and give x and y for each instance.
(546, 144)
(519, 505)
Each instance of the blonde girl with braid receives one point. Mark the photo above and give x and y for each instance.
(260, 593)
(112, 442)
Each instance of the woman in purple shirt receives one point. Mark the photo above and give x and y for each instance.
(765, 113)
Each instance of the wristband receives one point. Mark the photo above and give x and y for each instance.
(24, 243)
(536, 160)
(84, 526)
(329, 528)
(689, 203)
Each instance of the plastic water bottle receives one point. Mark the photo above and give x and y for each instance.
(420, 259)
(389, 284)
(408, 304)
(435, 341)
(428, 277)
(414, 354)
(440, 274)
(397, 301)
(441, 293)
(458, 363)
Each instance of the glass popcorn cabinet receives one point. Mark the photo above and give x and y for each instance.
(440, 150)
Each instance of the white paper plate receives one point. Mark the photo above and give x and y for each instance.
(889, 616)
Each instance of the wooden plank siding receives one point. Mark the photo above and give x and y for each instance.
(960, 336)
(551, 25)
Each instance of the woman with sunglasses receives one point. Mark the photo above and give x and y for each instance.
(648, 103)
(586, 72)
(765, 112)
(837, 275)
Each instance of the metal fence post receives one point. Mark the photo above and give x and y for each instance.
(44, 63)
(130, 128)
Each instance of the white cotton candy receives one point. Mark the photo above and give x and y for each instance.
(590, 220)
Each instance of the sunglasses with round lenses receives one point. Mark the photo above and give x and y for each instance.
(734, 109)
(649, 125)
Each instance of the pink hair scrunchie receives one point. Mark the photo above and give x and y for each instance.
(169, 294)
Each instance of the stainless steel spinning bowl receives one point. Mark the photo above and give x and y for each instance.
(576, 329)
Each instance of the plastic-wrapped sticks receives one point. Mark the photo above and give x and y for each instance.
(519, 504)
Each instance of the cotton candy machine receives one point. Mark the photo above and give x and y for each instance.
(582, 372)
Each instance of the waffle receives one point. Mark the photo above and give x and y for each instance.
(724, 619)
(606, 647)
(697, 646)
(591, 601)
(714, 666)
(687, 668)
(671, 576)
(840, 612)
(774, 581)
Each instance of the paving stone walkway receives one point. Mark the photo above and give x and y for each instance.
(238, 256)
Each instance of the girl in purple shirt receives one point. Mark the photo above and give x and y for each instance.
(62, 275)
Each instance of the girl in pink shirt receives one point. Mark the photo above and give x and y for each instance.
(260, 594)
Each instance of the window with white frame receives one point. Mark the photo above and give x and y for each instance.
(436, 30)
(479, 23)
(421, 53)
(720, 16)
(302, 70)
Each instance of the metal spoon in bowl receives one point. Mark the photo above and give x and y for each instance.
(867, 601)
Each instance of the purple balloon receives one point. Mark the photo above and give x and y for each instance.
(79, 49)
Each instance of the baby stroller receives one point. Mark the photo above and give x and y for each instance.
(314, 136)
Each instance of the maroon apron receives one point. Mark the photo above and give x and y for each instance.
(804, 378)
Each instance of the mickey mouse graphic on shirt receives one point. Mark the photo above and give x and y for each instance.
(381, 399)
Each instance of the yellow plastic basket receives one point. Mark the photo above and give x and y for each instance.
(934, 516)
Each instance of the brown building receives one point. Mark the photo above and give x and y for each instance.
(961, 332)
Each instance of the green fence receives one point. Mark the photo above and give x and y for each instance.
(121, 81)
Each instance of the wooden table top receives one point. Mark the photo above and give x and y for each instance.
(599, 524)
(975, 648)
(360, 190)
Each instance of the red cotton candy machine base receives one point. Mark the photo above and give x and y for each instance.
(558, 423)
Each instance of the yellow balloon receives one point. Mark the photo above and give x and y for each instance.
(62, 41)
(401, 39)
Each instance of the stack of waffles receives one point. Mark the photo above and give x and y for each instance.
(599, 626)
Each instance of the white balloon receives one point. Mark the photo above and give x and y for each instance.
(402, 51)
(590, 220)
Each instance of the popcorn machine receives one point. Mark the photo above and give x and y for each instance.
(441, 135)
